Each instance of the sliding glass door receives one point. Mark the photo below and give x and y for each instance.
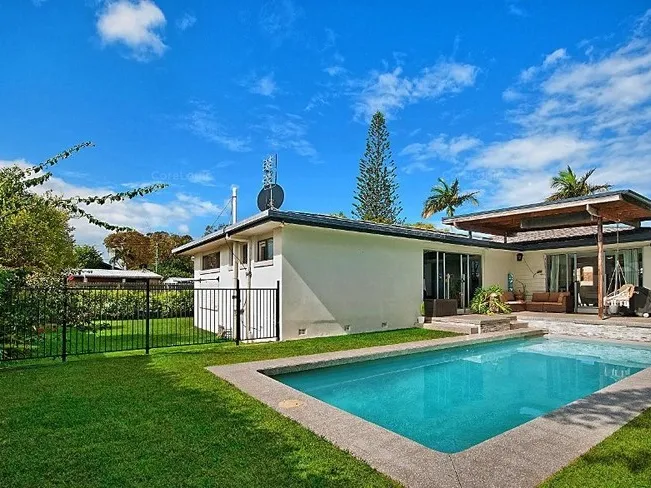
(451, 276)
(577, 273)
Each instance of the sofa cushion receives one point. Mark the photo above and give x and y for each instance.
(508, 296)
(540, 297)
(554, 297)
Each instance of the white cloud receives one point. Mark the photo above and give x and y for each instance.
(202, 122)
(555, 57)
(265, 86)
(440, 147)
(141, 213)
(511, 95)
(390, 91)
(288, 131)
(589, 113)
(186, 21)
(529, 74)
(183, 229)
(203, 177)
(530, 152)
(136, 25)
(277, 18)
(335, 70)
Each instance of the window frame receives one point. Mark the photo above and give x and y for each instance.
(265, 244)
(218, 260)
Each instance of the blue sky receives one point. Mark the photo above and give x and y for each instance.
(195, 94)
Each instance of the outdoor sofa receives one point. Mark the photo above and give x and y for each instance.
(559, 302)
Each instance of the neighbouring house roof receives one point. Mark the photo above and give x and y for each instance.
(624, 206)
(118, 274)
(177, 279)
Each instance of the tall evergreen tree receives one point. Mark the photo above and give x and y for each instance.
(376, 196)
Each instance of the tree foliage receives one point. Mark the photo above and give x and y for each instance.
(87, 256)
(33, 177)
(134, 250)
(35, 230)
(38, 239)
(446, 197)
(567, 184)
(376, 196)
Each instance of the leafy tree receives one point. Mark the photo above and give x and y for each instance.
(446, 197)
(87, 256)
(166, 263)
(38, 239)
(134, 250)
(567, 184)
(35, 231)
(131, 249)
(214, 228)
(376, 196)
(427, 226)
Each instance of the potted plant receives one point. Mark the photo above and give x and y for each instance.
(488, 301)
(421, 317)
(522, 294)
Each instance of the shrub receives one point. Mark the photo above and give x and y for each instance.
(488, 301)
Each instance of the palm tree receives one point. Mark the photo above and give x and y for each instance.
(446, 197)
(567, 184)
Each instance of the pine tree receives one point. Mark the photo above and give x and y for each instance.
(376, 196)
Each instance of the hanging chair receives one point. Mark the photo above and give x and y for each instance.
(619, 292)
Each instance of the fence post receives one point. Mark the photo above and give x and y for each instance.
(147, 296)
(64, 320)
(278, 310)
(238, 306)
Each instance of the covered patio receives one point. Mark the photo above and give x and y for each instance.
(623, 208)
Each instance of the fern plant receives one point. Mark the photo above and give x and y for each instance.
(488, 301)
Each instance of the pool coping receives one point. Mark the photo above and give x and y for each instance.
(521, 457)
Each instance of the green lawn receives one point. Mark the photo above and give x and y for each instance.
(621, 461)
(120, 335)
(163, 420)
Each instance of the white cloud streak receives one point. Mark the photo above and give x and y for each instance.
(390, 91)
(202, 122)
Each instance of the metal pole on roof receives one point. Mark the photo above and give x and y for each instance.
(234, 205)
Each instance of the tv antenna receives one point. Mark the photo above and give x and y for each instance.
(272, 194)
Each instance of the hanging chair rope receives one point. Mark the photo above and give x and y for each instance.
(619, 292)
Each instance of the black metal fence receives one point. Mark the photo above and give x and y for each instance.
(75, 319)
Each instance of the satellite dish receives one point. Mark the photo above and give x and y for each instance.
(271, 197)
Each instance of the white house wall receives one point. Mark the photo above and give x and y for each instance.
(213, 296)
(338, 282)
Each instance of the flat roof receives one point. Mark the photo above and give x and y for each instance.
(624, 206)
(337, 223)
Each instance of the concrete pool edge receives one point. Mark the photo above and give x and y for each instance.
(523, 456)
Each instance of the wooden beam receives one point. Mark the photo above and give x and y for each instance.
(600, 266)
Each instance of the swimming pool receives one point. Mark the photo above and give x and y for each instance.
(452, 399)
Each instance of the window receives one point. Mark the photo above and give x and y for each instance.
(265, 249)
(210, 261)
(244, 260)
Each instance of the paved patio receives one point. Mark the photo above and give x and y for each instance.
(521, 457)
(590, 326)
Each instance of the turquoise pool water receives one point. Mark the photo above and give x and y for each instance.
(452, 399)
